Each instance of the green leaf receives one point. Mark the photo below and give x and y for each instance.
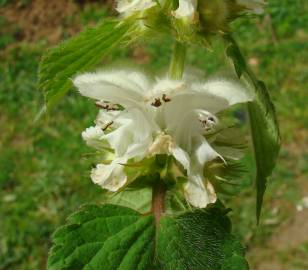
(104, 237)
(78, 54)
(115, 237)
(263, 122)
(175, 4)
(199, 240)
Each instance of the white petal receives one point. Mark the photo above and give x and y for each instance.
(229, 152)
(230, 90)
(186, 9)
(139, 150)
(131, 127)
(92, 135)
(112, 176)
(204, 152)
(120, 139)
(197, 194)
(175, 111)
(131, 6)
(182, 157)
(119, 87)
(168, 87)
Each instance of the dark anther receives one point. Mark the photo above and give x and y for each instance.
(211, 119)
(203, 123)
(165, 98)
(107, 106)
(108, 125)
(156, 103)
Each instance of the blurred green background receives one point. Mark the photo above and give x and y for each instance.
(44, 169)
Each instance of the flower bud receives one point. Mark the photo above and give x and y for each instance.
(187, 10)
(214, 15)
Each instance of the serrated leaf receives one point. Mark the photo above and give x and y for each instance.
(263, 122)
(199, 240)
(105, 237)
(78, 54)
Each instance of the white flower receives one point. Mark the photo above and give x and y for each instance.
(186, 10)
(129, 7)
(160, 117)
(92, 136)
(255, 6)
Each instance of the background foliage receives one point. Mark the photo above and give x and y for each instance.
(44, 167)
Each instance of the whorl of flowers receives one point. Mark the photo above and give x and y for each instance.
(141, 117)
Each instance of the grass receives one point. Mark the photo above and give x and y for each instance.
(44, 172)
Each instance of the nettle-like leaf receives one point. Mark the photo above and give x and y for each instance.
(199, 240)
(115, 237)
(263, 122)
(104, 237)
(78, 54)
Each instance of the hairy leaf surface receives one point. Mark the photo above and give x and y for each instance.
(78, 54)
(104, 237)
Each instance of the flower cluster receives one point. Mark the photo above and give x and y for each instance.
(189, 20)
(141, 117)
(187, 9)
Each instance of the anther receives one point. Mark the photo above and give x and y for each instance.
(156, 103)
(107, 125)
(211, 119)
(165, 98)
(107, 106)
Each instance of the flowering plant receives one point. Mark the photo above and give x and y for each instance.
(163, 148)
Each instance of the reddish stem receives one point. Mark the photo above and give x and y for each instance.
(158, 200)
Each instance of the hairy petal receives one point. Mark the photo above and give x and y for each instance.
(123, 87)
(112, 176)
(232, 91)
(93, 136)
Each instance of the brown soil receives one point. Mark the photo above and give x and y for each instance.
(41, 19)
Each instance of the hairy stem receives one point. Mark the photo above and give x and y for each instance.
(158, 200)
(178, 61)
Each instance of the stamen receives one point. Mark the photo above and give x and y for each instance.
(208, 122)
(107, 125)
(156, 103)
(165, 98)
(107, 106)
(212, 119)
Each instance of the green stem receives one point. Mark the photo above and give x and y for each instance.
(177, 64)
